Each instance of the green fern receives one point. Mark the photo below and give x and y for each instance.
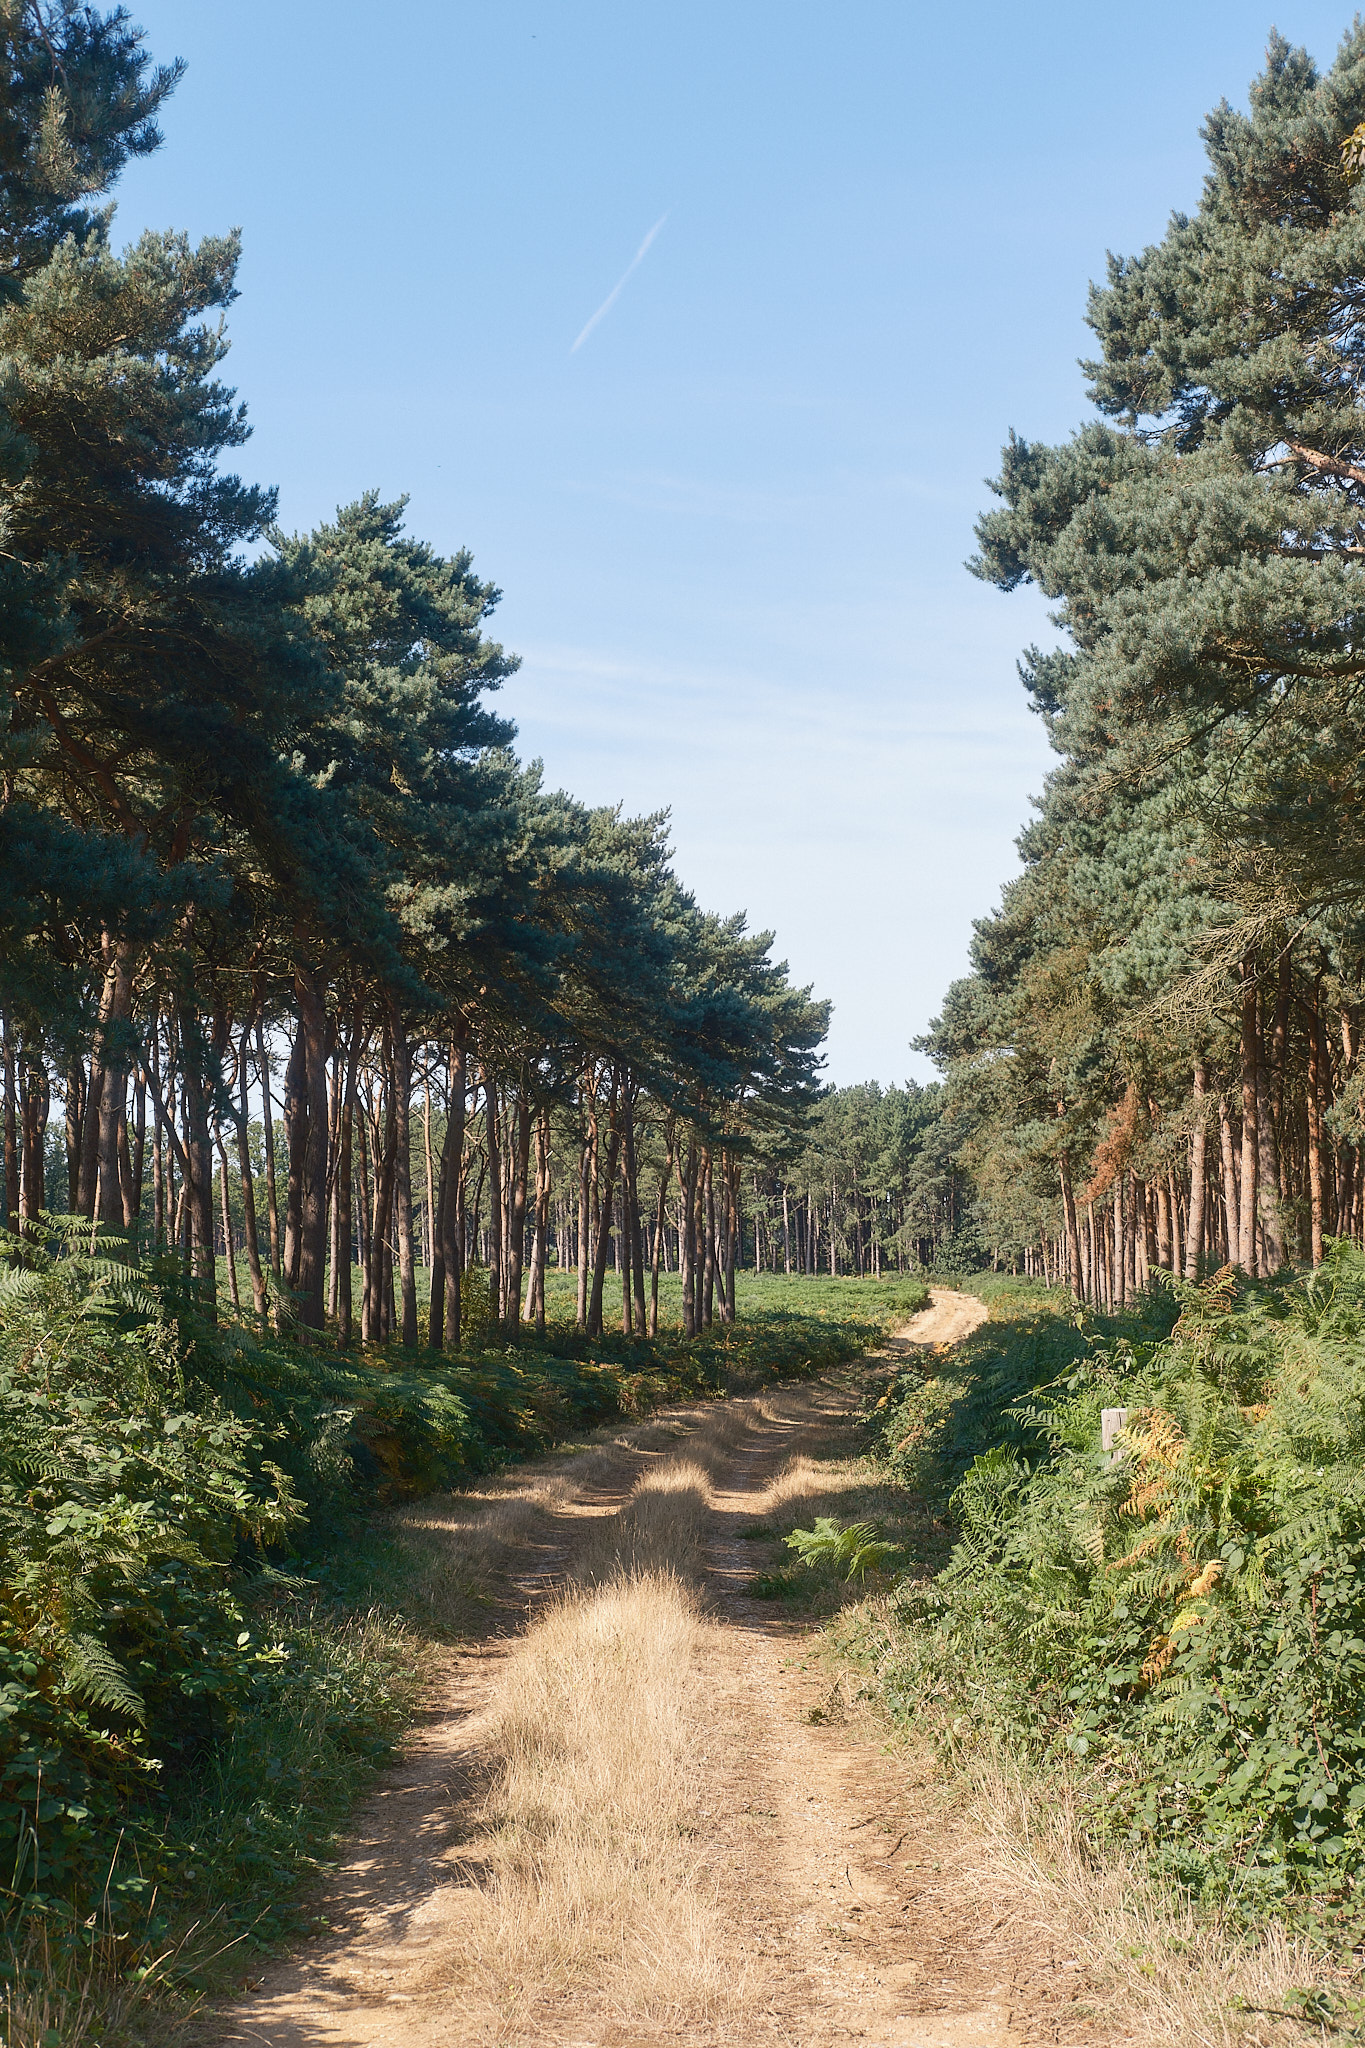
(855, 1549)
(1189, 1618)
(96, 1676)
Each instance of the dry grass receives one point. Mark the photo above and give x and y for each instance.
(588, 1883)
(591, 1885)
(1166, 1973)
(464, 1547)
(804, 1485)
(80, 2000)
(47, 2004)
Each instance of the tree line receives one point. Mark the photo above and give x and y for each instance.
(269, 856)
(873, 1186)
(1157, 1053)
(867, 1185)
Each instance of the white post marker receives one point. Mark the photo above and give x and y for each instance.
(1112, 1420)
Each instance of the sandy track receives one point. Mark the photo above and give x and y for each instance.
(948, 1319)
(842, 1898)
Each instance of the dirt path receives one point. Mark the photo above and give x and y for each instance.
(948, 1319)
(808, 1889)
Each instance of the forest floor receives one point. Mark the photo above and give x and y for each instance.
(641, 1806)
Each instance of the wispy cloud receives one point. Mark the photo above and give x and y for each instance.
(614, 294)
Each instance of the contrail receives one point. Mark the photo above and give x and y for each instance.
(614, 294)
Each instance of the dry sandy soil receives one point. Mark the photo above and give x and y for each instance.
(643, 1810)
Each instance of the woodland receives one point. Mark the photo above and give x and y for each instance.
(267, 841)
(342, 1063)
(1158, 1049)
(1155, 1062)
(374, 1116)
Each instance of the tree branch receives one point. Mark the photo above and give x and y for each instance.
(1330, 465)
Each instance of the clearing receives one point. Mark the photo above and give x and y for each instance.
(641, 1808)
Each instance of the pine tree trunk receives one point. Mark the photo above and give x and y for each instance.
(1194, 1232)
(227, 1224)
(370, 1146)
(587, 1173)
(443, 1309)
(637, 1259)
(35, 1103)
(1279, 1058)
(122, 1156)
(268, 1127)
(312, 1257)
(88, 1152)
(11, 1132)
(1313, 1034)
(453, 1254)
(345, 1191)
(139, 1146)
(334, 1113)
(603, 1246)
(495, 1216)
(198, 1156)
(720, 1205)
(1073, 1236)
(402, 1117)
(731, 1233)
(687, 1261)
(1268, 1164)
(161, 1166)
(1231, 1192)
(1120, 1246)
(1113, 1264)
(429, 1191)
(623, 1259)
(633, 1299)
(1146, 1233)
(707, 1224)
(105, 1112)
(660, 1224)
(1164, 1239)
(175, 1152)
(75, 1123)
(346, 1220)
(1247, 1219)
(364, 1203)
(253, 1249)
(376, 1311)
(439, 1198)
(540, 1234)
(517, 1200)
(295, 1112)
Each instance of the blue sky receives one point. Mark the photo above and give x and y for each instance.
(730, 525)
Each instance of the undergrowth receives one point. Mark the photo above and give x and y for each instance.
(208, 1635)
(1177, 1625)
